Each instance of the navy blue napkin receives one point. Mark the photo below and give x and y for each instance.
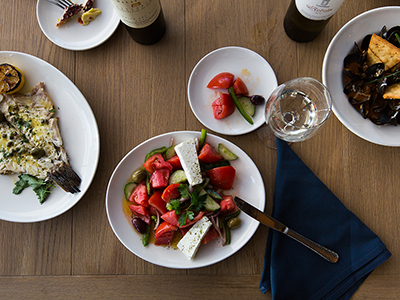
(304, 204)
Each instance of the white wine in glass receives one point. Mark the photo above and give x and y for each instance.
(297, 109)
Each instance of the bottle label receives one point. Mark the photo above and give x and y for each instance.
(318, 9)
(137, 14)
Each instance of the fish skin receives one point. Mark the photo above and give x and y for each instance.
(30, 118)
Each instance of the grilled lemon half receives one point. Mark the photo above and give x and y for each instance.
(11, 79)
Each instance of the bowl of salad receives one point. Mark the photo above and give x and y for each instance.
(170, 199)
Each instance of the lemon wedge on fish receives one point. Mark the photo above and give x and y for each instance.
(11, 79)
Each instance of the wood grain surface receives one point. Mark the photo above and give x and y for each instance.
(137, 92)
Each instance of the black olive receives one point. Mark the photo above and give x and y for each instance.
(257, 99)
(139, 225)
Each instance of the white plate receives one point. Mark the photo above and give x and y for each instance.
(72, 35)
(80, 136)
(251, 67)
(248, 185)
(354, 31)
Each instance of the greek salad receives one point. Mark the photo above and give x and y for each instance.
(181, 195)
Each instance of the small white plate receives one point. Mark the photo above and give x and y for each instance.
(80, 136)
(354, 31)
(72, 35)
(248, 185)
(251, 67)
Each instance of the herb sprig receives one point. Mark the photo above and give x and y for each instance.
(196, 204)
(39, 186)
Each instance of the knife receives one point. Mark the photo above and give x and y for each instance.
(263, 218)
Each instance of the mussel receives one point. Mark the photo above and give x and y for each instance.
(365, 85)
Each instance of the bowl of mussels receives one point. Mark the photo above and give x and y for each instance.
(361, 69)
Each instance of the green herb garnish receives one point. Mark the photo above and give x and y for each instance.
(39, 186)
(196, 203)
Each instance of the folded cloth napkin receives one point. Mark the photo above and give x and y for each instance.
(304, 204)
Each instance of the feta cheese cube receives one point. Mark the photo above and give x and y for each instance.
(187, 154)
(191, 241)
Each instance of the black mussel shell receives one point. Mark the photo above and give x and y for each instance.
(365, 42)
(375, 70)
(383, 32)
(353, 63)
(381, 117)
(391, 35)
(357, 92)
(364, 109)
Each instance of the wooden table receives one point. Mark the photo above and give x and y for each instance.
(137, 92)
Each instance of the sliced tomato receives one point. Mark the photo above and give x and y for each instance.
(156, 162)
(221, 81)
(159, 178)
(175, 163)
(211, 234)
(157, 202)
(139, 195)
(164, 234)
(228, 205)
(223, 106)
(240, 88)
(171, 192)
(209, 155)
(141, 212)
(222, 177)
(172, 218)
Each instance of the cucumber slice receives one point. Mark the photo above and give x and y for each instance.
(210, 204)
(214, 194)
(247, 105)
(170, 152)
(177, 177)
(226, 153)
(128, 189)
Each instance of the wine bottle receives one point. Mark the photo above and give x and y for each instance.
(144, 20)
(305, 19)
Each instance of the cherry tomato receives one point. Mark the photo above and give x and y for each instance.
(171, 192)
(139, 195)
(221, 81)
(223, 106)
(240, 88)
(222, 177)
(164, 234)
(209, 155)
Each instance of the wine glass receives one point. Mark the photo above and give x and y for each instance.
(295, 111)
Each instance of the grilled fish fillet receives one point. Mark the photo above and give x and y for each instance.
(30, 140)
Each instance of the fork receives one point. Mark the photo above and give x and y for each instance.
(61, 3)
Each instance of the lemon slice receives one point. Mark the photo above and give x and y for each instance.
(11, 79)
